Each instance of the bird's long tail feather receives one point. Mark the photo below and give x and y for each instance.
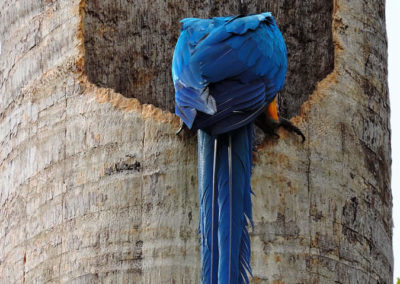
(225, 205)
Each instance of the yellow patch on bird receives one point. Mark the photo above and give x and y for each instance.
(272, 110)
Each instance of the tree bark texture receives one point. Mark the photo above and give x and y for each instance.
(129, 47)
(95, 187)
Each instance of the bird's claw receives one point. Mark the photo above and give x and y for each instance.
(269, 126)
(290, 127)
(181, 126)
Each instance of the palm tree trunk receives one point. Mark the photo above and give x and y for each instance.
(95, 187)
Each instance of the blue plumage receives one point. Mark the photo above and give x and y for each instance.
(238, 52)
(225, 71)
(241, 206)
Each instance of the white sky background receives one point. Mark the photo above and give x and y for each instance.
(393, 32)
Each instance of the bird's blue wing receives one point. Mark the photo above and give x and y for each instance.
(245, 50)
(245, 60)
(191, 92)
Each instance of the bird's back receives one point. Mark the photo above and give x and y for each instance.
(226, 69)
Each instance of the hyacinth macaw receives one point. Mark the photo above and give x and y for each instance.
(227, 72)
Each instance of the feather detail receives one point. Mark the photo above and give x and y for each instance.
(231, 53)
(240, 208)
(225, 71)
(205, 149)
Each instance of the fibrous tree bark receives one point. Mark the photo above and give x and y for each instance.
(96, 187)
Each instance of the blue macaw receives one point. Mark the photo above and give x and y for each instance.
(227, 72)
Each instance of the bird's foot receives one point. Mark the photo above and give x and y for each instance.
(270, 126)
(290, 127)
(181, 127)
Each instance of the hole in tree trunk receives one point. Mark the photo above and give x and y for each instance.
(129, 44)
